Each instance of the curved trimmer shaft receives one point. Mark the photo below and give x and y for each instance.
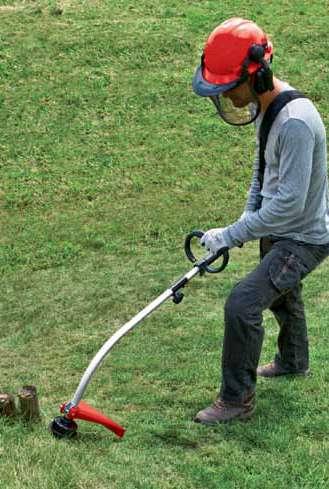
(173, 291)
(77, 409)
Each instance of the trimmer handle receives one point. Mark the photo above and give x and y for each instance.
(206, 261)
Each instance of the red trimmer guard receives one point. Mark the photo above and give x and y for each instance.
(88, 413)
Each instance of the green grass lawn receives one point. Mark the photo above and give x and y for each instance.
(107, 161)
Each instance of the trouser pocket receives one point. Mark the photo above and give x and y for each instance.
(286, 270)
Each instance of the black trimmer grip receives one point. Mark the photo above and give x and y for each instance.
(206, 261)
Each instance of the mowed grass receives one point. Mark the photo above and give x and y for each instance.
(107, 161)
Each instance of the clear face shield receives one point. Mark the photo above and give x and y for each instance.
(236, 116)
(236, 113)
(236, 102)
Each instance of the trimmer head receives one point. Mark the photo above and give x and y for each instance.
(65, 427)
(62, 427)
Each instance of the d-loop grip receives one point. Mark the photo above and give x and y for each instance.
(206, 261)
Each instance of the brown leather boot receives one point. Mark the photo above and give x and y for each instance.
(272, 369)
(223, 412)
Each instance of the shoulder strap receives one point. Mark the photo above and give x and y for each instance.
(269, 117)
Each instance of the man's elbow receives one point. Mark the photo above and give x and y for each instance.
(293, 205)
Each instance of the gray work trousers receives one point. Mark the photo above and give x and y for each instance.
(275, 284)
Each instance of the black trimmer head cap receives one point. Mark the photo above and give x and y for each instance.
(62, 427)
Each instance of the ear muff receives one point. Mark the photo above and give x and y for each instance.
(262, 80)
(256, 53)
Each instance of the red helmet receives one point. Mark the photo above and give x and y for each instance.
(225, 53)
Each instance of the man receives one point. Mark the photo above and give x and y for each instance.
(287, 209)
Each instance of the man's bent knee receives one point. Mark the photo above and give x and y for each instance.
(239, 303)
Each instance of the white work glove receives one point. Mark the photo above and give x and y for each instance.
(213, 240)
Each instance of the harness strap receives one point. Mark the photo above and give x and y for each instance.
(269, 117)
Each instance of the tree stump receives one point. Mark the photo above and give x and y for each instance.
(7, 404)
(28, 403)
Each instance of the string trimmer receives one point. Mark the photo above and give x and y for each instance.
(65, 426)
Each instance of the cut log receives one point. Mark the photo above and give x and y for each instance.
(28, 403)
(7, 404)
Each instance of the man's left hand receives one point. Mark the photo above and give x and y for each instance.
(213, 240)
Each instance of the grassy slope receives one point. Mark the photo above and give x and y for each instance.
(107, 161)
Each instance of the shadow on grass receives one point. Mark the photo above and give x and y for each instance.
(275, 411)
(174, 437)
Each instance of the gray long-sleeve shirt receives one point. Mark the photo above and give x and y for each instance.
(295, 198)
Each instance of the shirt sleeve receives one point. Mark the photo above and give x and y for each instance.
(295, 146)
(254, 196)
